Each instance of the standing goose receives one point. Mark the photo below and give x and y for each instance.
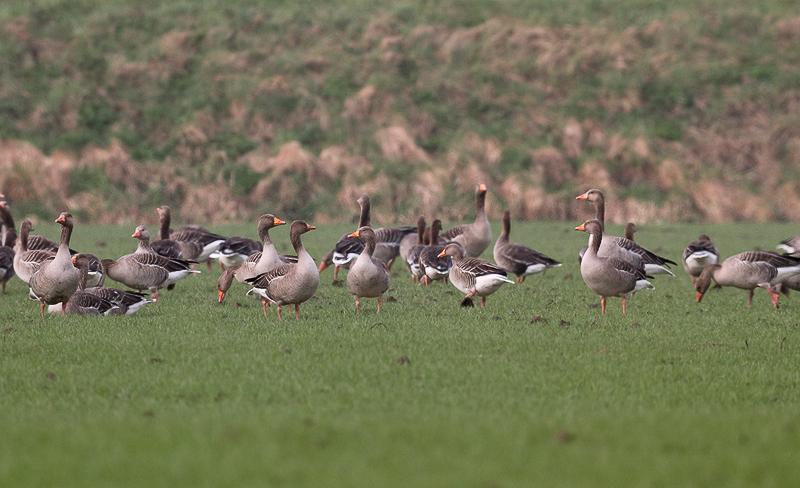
(290, 283)
(144, 269)
(790, 246)
(473, 276)
(477, 236)
(750, 270)
(698, 255)
(26, 261)
(100, 300)
(368, 277)
(622, 248)
(171, 248)
(194, 235)
(257, 263)
(516, 258)
(412, 257)
(412, 240)
(235, 251)
(57, 279)
(7, 242)
(432, 266)
(608, 276)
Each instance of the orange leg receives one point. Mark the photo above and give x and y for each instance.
(41, 309)
(483, 302)
(265, 307)
(280, 313)
(297, 311)
(603, 305)
(379, 304)
(624, 302)
(336, 273)
(750, 298)
(358, 305)
(774, 297)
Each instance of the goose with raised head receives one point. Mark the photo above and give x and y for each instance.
(8, 238)
(106, 301)
(368, 277)
(630, 231)
(412, 257)
(477, 236)
(196, 235)
(144, 269)
(608, 276)
(622, 248)
(56, 279)
(473, 276)
(27, 261)
(289, 283)
(518, 259)
(750, 270)
(171, 248)
(257, 263)
(698, 255)
(432, 266)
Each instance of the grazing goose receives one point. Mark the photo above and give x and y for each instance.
(790, 246)
(516, 258)
(473, 276)
(622, 248)
(144, 269)
(412, 257)
(368, 277)
(608, 276)
(432, 266)
(8, 238)
(699, 254)
(750, 270)
(26, 261)
(477, 236)
(56, 279)
(194, 235)
(235, 251)
(106, 301)
(257, 263)
(290, 283)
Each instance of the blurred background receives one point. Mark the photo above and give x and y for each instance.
(681, 111)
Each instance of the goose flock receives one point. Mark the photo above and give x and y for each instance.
(65, 281)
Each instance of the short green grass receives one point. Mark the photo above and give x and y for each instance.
(191, 393)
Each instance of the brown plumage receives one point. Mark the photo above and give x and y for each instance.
(56, 279)
(516, 258)
(477, 236)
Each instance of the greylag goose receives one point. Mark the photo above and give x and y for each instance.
(100, 300)
(208, 241)
(94, 270)
(26, 261)
(750, 270)
(473, 276)
(7, 241)
(168, 247)
(699, 254)
(368, 277)
(257, 263)
(412, 257)
(387, 246)
(411, 240)
(432, 266)
(144, 269)
(235, 251)
(35, 242)
(608, 276)
(630, 231)
(290, 283)
(518, 259)
(790, 246)
(622, 248)
(56, 279)
(477, 236)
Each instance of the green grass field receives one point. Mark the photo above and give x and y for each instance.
(191, 393)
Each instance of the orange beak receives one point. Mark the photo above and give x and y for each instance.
(441, 254)
(354, 234)
(278, 221)
(323, 266)
(136, 234)
(482, 187)
(581, 228)
(312, 227)
(220, 296)
(698, 296)
(74, 260)
(583, 196)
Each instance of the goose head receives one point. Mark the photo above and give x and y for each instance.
(453, 249)
(64, 219)
(703, 282)
(141, 233)
(592, 226)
